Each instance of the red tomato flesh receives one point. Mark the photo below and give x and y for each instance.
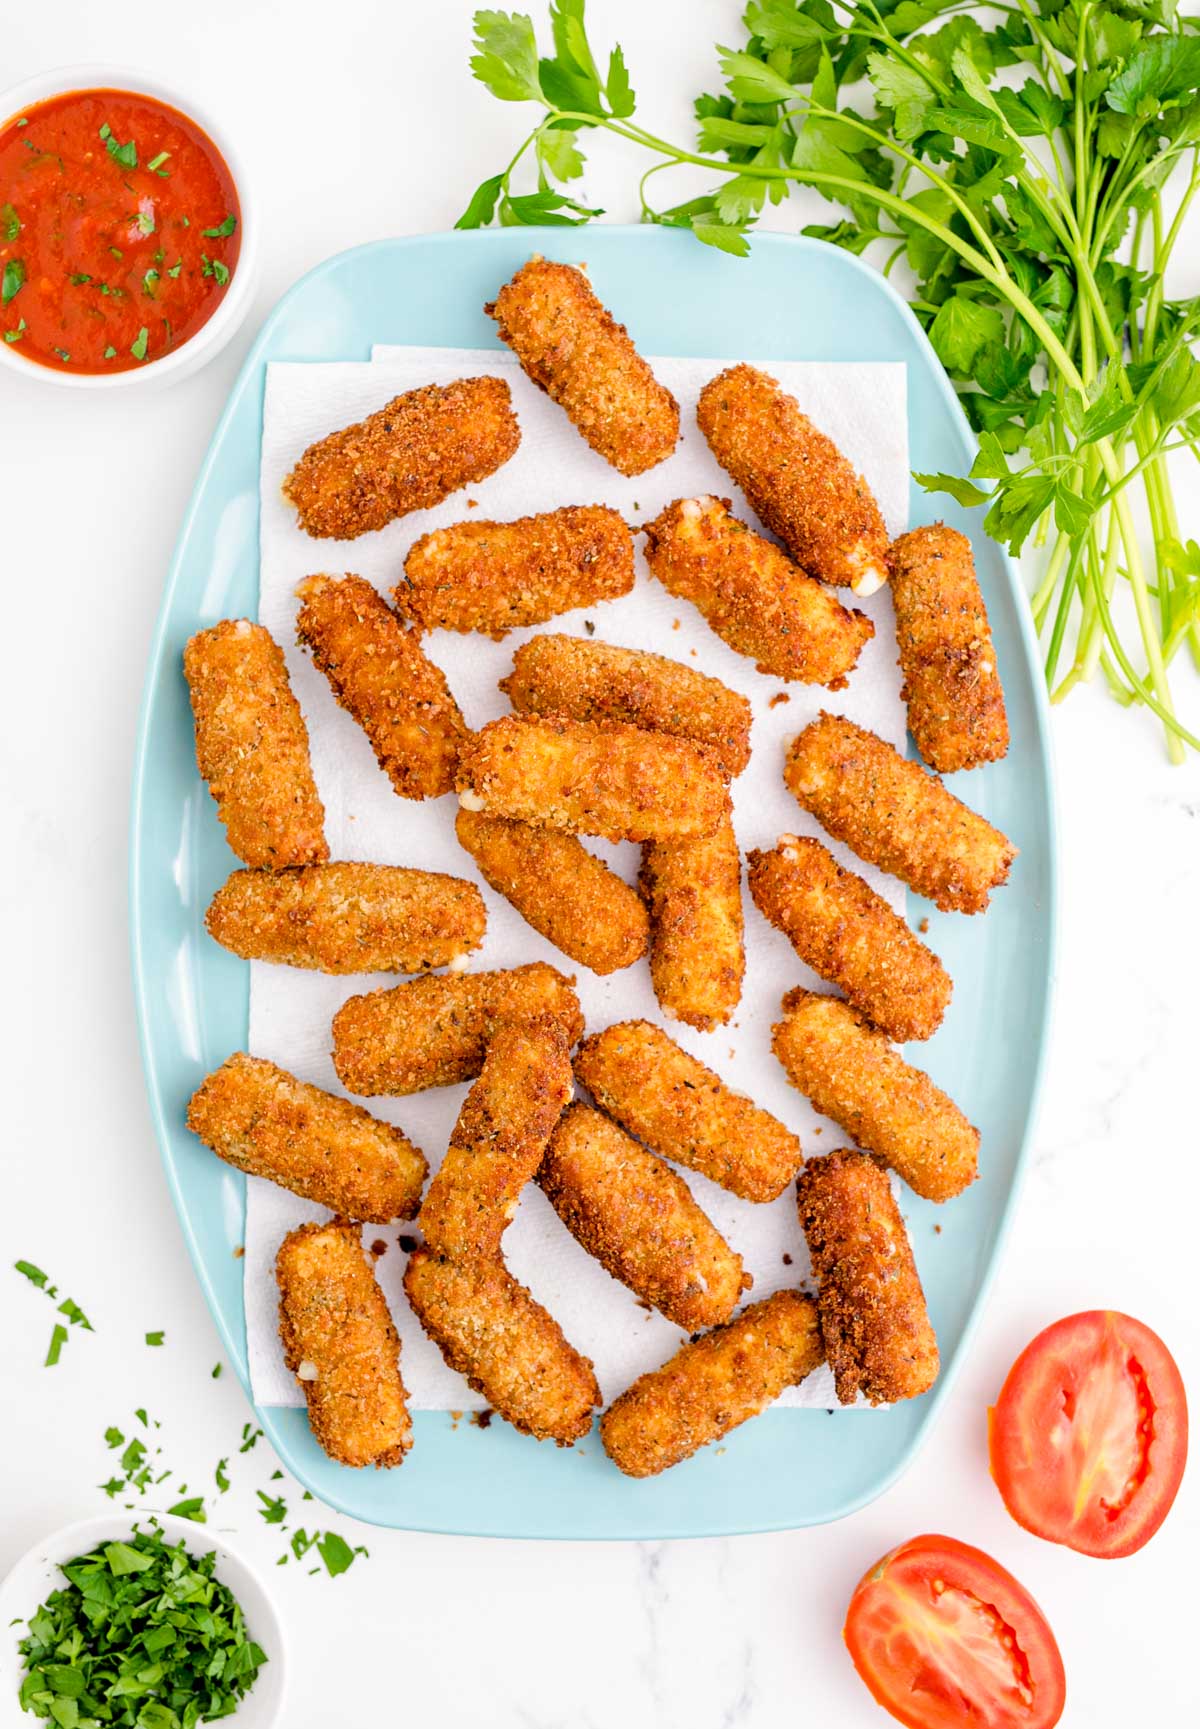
(1088, 1439)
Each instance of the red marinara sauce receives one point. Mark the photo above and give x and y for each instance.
(119, 230)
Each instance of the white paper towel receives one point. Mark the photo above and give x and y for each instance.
(862, 407)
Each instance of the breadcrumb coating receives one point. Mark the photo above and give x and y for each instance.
(252, 746)
(686, 1113)
(874, 1322)
(697, 955)
(896, 815)
(339, 1340)
(409, 455)
(571, 347)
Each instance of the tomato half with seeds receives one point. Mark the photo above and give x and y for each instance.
(1088, 1438)
(944, 1636)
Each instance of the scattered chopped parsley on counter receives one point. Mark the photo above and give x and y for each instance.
(151, 1338)
(27, 1269)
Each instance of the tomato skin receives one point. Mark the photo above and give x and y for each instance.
(1088, 1439)
(943, 1636)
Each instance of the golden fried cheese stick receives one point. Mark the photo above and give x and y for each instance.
(697, 956)
(799, 484)
(713, 1384)
(499, 1138)
(616, 781)
(567, 894)
(573, 349)
(873, 1317)
(849, 935)
(495, 576)
(265, 1122)
(638, 1218)
(434, 1031)
(348, 918)
(339, 1341)
(584, 680)
(686, 1113)
(489, 1328)
(951, 683)
(409, 455)
(854, 1077)
(381, 676)
(896, 815)
(252, 746)
(752, 595)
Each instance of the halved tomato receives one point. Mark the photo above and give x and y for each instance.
(944, 1636)
(1088, 1438)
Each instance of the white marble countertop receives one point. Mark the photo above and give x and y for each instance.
(459, 1631)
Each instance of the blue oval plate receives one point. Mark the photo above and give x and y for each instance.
(790, 298)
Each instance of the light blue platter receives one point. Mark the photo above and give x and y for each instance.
(791, 298)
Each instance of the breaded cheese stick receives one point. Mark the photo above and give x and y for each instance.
(952, 687)
(686, 1113)
(348, 918)
(584, 680)
(381, 676)
(697, 956)
(713, 1384)
(849, 935)
(752, 595)
(638, 1218)
(499, 1138)
(616, 781)
(855, 1078)
(263, 1121)
(489, 1328)
(409, 455)
(559, 888)
(896, 815)
(874, 1322)
(571, 347)
(339, 1341)
(252, 746)
(434, 1031)
(496, 576)
(799, 484)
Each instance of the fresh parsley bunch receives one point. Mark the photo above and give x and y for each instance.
(1033, 219)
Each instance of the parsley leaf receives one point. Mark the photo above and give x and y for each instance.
(506, 58)
(151, 1338)
(138, 351)
(222, 230)
(58, 1339)
(13, 280)
(10, 222)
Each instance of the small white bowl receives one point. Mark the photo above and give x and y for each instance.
(36, 1574)
(235, 304)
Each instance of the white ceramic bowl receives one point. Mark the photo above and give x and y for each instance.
(212, 336)
(36, 1574)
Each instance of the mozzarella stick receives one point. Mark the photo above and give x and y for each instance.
(571, 347)
(339, 1341)
(348, 918)
(559, 888)
(752, 595)
(409, 455)
(638, 1218)
(799, 484)
(896, 815)
(252, 746)
(849, 935)
(686, 1113)
(499, 1138)
(380, 675)
(713, 1384)
(951, 683)
(615, 781)
(495, 576)
(697, 957)
(874, 1322)
(434, 1031)
(855, 1078)
(265, 1122)
(489, 1328)
(597, 681)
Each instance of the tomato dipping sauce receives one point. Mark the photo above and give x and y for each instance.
(119, 230)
